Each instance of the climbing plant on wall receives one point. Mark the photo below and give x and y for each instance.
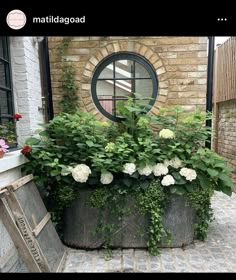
(68, 89)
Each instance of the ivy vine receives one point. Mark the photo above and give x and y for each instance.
(153, 201)
(68, 89)
(150, 201)
(200, 200)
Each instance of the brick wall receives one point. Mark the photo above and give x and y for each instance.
(26, 85)
(227, 133)
(180, 64)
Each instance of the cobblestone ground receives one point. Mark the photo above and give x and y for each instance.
(216, 254)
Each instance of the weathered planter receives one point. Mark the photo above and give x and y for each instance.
(80, 222)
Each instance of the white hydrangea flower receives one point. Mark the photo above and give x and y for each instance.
(106, 178)
(129, 168)
(147, 170)
(160, 169)
(176, 162)
(188, 173)
(167, 134)
(167, 162)
(167, 180)
(80, 173)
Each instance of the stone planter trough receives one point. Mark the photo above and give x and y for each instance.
(80, 222)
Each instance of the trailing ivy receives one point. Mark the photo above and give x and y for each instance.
(113, 207)
(150, 201)
(68, 90)
(153, 201)
(200, 200)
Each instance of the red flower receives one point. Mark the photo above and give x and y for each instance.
(17, 116)
(26, 150)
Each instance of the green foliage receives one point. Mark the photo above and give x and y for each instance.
(67, 138)
(189, 129)
(153, 201)
(164, 160)
(135, 118)
(99, 198)
(201, 201)
(113, 205)
(68, 88)
(212, 170)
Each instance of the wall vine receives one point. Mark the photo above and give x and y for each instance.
(69, 91)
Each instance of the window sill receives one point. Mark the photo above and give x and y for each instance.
(11, 160)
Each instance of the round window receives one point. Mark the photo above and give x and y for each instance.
(118, 77)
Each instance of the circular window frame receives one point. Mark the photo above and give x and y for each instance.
(115, 57)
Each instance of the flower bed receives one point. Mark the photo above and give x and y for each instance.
(146, 158)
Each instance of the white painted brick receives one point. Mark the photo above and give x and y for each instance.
(26, 85)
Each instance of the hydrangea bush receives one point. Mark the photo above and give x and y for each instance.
(147, 157)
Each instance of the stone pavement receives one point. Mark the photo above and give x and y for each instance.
(216, 254)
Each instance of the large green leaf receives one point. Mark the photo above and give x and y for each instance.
(189, 187)
(43, 133)
(32, 141)
(131, 109)
(200, 166)
(204, 182)
(144, 184)
(173, 189)
(55, 172)
(65, 172)
(127, 182)
(89, 143)
(226, 179)
(180, 190)
(220, 164)
(179, 180)
(135, 175)
(176, 175)
(227, 190)
(212, 172)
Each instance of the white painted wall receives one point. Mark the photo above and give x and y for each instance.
(26, 85)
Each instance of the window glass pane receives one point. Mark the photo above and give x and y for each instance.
(123, 88)
(143, 102)
(3, 81)
(144, 87)
(3, 102)
(1, 48)
(123, 69)
(108, 105)
(107, 72)
(140, 71)
(105, 88)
